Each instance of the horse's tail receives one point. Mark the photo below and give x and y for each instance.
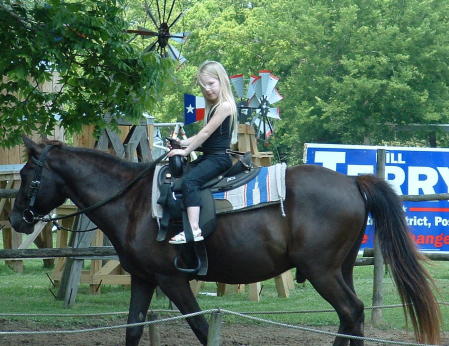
(399, 251)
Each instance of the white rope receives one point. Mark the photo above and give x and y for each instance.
(65, 315)
(282, 208)
(325, 332)
(74, 331)
(280, 169)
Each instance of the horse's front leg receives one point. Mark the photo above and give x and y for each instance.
(178, 290)
(141, 293)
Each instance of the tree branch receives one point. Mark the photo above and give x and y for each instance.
(12, 13)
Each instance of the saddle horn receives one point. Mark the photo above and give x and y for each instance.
(175, 163)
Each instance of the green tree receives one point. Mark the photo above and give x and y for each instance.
(351, 70)
(367, 65)
(85, 43)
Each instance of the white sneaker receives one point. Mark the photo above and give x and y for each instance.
(180, 238)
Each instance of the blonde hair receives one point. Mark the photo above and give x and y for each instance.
(217, 71)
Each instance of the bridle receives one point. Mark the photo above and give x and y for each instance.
(30, 216)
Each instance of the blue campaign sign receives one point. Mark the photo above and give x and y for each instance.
(410, 171)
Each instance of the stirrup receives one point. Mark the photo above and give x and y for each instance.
(180, 238)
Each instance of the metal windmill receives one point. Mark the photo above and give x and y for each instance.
(256, 104)
(163, 19)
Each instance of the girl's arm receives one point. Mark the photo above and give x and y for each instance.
(187, 141)
(194, 142)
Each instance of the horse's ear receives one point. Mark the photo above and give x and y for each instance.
(32, 148)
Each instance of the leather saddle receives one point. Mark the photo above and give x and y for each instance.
(174, 217)
(192, 257)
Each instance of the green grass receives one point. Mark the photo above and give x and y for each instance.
(29, 293)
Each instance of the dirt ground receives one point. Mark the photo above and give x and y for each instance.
(178, 333)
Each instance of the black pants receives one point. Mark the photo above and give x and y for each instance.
(203, 169)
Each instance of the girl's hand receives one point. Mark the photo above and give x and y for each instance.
(173, 143)
(174, 152)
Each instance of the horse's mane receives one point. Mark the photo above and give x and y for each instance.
(53, 142)
(99, 154)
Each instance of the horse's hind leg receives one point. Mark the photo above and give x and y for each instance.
(141, 294)
(178, 290)
(348, 264)
(332, 287)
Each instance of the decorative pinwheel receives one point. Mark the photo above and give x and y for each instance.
(256, 104)
(163, 23)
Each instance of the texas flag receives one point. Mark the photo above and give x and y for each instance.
(194, 108)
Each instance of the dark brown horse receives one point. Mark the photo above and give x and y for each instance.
(320, 236)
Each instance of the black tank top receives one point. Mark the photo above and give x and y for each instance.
(220, 139)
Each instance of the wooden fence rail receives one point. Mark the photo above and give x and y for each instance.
(8, 193)
(93, 252)
(421, 198)
(90, 253)
(434, 256)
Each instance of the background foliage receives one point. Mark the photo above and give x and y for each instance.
(85, 43)
(352, 71)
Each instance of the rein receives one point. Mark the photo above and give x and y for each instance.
(29, 216)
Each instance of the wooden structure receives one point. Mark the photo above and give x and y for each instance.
(9, 179)
(105, 270)
(247, 142)
(11, 162)
(131, 142)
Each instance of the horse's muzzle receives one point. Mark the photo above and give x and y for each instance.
(19, 224)
(28, 216)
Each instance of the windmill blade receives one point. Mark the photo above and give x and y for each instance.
(145, 33)
(161, 19)
(269, 82)
(264, 75)
(254, 102)
(171, 10)
(178, 18)
(274, 113)
(150, 47)
(175, 54)
(274, 97)
(237, 82)
(164, 9)
(180, 37)
(150, 14)
(258, 90)
(252, 86)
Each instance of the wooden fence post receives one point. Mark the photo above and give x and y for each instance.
(376, 314)
(153, 330)
(72, 271)
(214, 336)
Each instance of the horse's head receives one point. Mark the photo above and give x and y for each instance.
(41, 189)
